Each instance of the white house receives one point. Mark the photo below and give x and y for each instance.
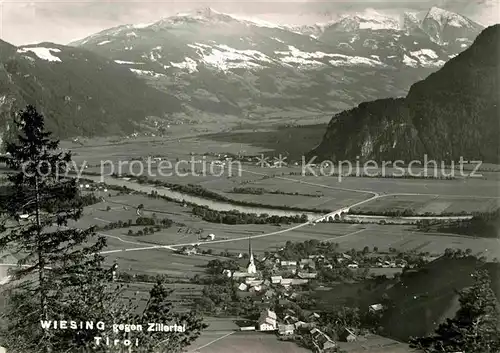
(276, 279)
(307, 262)
(375, 308)
(240, 274)
(256, 289)
(242, 287)
(267, 321)
(286, 330)
(314, 316)
(307, 275)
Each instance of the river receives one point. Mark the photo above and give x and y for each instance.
(200, 201)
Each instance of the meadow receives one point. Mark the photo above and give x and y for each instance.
(428, 204)
(450, 196)
(249, 342)
(234, 238)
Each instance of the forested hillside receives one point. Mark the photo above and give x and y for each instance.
(452, 113)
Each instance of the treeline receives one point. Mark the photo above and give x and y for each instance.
(199, 191)
(236, 217)
(140, 221)
(377, 175)
(221, 298)
(407, 212)
(141, 277)
(262, 191)
(482, 224)
(152, 225)
(82, 200)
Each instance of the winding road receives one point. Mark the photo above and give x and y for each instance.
(375, 195)
(173, 247)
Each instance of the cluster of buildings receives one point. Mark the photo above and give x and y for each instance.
(93, 187)
(288, 274)
(289, 325)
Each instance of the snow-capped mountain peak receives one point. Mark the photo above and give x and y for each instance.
(201, 15)
(444, 17)
(369, 19)
(445, 26)
(210, 16)
(410, 21)
(205, 13)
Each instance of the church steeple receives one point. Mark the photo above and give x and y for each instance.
(251, 264)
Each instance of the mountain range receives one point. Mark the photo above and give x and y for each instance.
(452, 113)
(209, 66)
(80, 93)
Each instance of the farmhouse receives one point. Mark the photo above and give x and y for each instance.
(239, 274)
(347, 335)
(255, 289)
(270, 293)
(302, 324)
(307, 263)
(267, 321)
(375, 308)
(189, 251)
(253, 282)
(247, 328)
(286, 330)
(322, 340)
(276, 279)
(345, 256)
(290, 319)
(209, 237)
(313, 316)
(307, 275)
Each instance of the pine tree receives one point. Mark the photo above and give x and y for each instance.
(60, 273)
(50, 255)
(475, 327)
(159, 309)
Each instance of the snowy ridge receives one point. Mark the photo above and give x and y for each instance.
(427, 58)
(42, 53)
(211, 16)
(444, 17)
(371, 19)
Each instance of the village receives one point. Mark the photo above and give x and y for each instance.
(274, 281)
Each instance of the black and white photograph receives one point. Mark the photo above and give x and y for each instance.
(235, 176)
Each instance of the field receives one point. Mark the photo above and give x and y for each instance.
(134, 253)
(375, 344)
(437, 196)
(137, 253)
(420, 205)
(255, 342)
(251, 342)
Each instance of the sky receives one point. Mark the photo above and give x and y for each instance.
(62, 21)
